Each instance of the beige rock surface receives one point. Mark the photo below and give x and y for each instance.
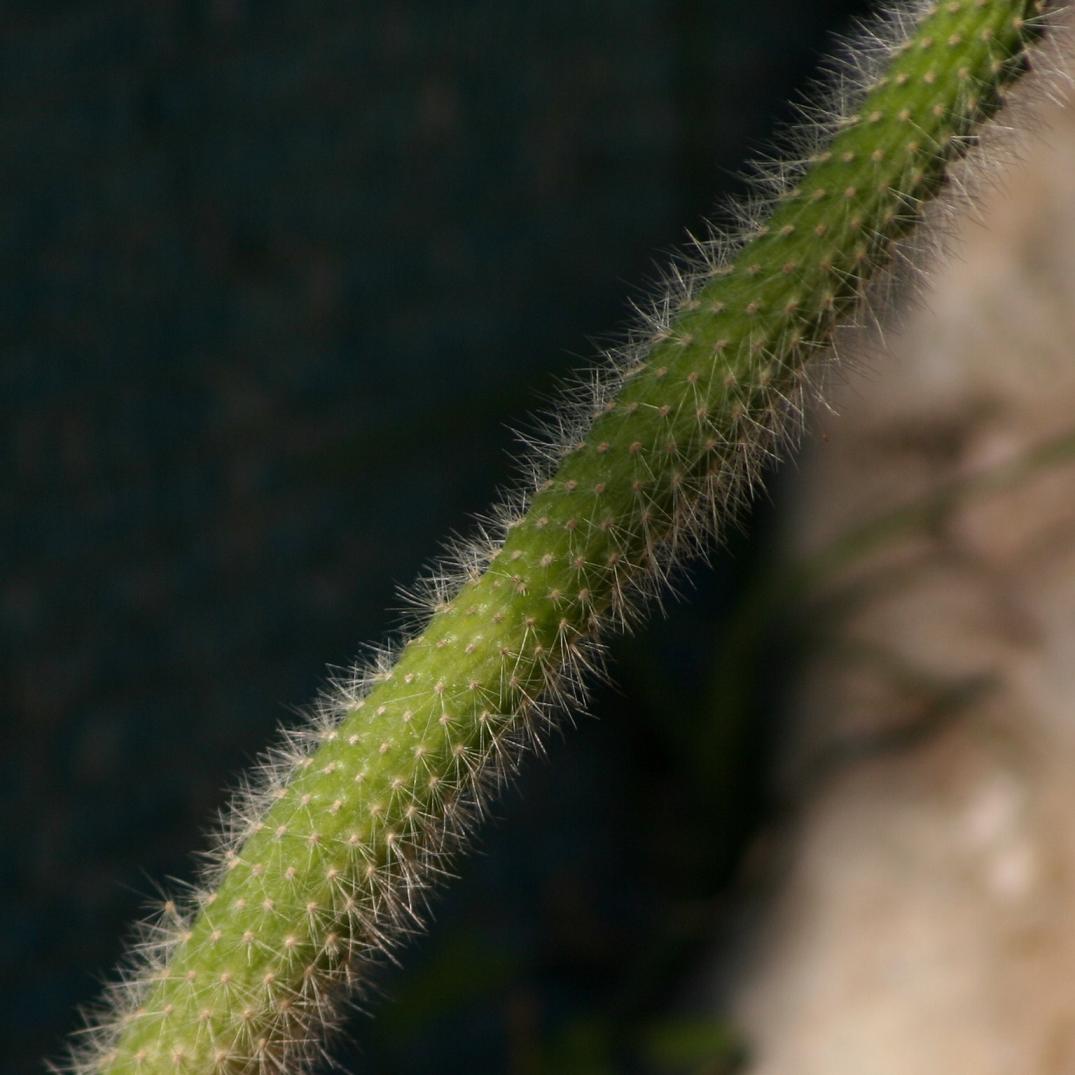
(926, 919)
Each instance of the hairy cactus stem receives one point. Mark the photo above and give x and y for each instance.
(325, 861)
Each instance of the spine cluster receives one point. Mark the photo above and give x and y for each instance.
(328, 857)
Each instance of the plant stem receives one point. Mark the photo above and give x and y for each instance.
(326, 862)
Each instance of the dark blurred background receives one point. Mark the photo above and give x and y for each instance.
(277, 279)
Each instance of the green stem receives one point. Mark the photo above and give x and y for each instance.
(329, 859)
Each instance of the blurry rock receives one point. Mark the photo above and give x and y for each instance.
(925, 918)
